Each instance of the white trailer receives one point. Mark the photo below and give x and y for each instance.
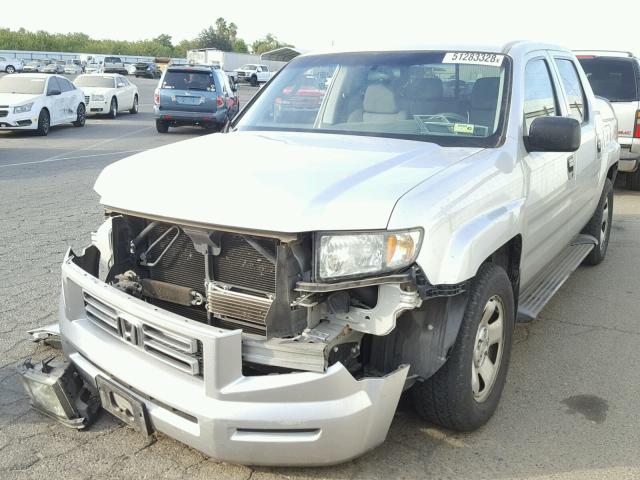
(229, 61)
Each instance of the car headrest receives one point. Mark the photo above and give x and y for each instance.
(426, 89)
(485, 92)
(379, 98)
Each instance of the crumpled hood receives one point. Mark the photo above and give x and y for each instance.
(14, 99)
(274, 181)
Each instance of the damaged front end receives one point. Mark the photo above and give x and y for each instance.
(241, 343)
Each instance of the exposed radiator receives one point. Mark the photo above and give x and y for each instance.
(238, 306)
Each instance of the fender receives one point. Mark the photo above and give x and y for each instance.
(477, 240)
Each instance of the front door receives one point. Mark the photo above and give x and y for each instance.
(551, 176)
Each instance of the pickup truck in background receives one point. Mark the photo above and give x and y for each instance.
(383, 232)
(616, 77)
(114, 65)
(253, 74)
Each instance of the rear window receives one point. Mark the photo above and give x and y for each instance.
(612, 78)
(189, 80)
(112, 60)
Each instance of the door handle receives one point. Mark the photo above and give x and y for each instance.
(571, 166)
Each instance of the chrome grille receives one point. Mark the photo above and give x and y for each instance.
(183, 353)
(241, 307)
(4, 113)
(86, 99)
(179, 351)
(102, 315)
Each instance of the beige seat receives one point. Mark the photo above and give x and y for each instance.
(424, 96)
(484, 100)
(379, 105)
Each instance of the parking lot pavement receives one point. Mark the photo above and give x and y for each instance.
(569, 410)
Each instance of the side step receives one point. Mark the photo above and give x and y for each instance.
(548, 282)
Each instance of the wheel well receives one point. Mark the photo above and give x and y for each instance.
(508, 257)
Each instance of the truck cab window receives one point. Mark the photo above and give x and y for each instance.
(573, 88)
(539, 95)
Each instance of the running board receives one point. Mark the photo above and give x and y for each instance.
(548, 282)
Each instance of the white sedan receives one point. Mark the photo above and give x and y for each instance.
(108, 94)
(35, 101)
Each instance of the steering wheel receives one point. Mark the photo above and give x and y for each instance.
(448, 116)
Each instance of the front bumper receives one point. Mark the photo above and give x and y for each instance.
(20, 121)
(98, 107)
(285, 419)
(188, 118)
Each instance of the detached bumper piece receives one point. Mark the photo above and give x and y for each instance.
(57, 391)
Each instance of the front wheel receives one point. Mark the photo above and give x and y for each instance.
(81, 116)
(134, 108)
(10, 69)
(44, 123)
(113, 108)
(162, 126)
(464, 393)
(600, 225)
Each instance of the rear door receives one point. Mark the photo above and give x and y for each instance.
(70, 98)
(587, 158)
(616, 79)
(188, 90)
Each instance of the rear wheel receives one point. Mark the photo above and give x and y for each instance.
(44, 123)
(81, 116)
(10, 69)
(134, 108)
(633, 180)
(113, 108)
(464, 393)
(600, 225)
(162, 126)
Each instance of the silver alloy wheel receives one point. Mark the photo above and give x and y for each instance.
(45, 123)
(487, 350)
(135, 104)
(114, 110)
(10, 69)
(605, 223)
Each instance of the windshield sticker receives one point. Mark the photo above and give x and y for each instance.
(474, 58)
(463, 128)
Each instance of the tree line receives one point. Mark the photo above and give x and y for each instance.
(222, 35)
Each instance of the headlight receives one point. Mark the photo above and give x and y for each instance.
(23, 108)
(340, 255)
(97, 98)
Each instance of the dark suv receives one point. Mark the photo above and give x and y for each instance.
(194, 96)
(148, 69)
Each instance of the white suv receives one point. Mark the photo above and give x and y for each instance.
(615, 76)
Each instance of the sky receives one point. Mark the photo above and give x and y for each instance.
(340, 23)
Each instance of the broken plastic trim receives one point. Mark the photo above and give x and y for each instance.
(57, 390)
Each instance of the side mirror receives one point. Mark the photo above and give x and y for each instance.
(554, 134)
(53, 92)
(234, 87)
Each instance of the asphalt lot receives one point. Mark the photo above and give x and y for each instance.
(569, 409)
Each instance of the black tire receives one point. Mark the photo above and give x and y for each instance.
(81, 116)
(44, 123)
(633, 180)
(254, 81)
(600, 225)
(447, 398)
(10, 69)
(134, 109)
(113, 108)
(212, 127)
(162, 126)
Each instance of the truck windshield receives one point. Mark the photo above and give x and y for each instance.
(450, 98)
(30, 86)
(611, 78)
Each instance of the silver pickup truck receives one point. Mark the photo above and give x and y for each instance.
(388, 216)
